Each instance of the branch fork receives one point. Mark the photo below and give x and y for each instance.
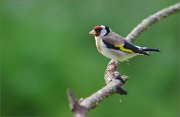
(82, 106)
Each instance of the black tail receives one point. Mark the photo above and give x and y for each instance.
(151, 49)
(140, 51)
(146, 51)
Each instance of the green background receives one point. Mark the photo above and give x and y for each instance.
(46, 49)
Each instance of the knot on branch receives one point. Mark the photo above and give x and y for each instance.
(123, 79)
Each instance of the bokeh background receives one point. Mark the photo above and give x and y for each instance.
(46, 49)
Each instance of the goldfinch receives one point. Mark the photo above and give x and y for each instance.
(114, 46)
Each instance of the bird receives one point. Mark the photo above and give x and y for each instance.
(116, 47)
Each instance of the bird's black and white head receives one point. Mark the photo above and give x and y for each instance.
(100, 30)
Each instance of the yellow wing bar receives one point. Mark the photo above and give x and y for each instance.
(122, 48)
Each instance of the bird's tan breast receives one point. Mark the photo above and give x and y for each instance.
(99, 44)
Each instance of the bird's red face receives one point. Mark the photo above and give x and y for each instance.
(100, 30)
(96, 30)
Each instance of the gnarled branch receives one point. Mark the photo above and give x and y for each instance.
(81, 107)
(115, 82)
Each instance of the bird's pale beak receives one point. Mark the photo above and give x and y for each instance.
(92, 32)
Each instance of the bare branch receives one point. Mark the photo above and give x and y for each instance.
(81, 107)
(151, 20)
(115, 86)
(109, 73)
(115, 82)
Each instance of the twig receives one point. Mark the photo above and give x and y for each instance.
(115, 82)
(151, 20)
(79, 111)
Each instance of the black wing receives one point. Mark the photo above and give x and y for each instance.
(133, 48)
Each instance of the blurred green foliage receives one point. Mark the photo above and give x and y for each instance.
(46, 49)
